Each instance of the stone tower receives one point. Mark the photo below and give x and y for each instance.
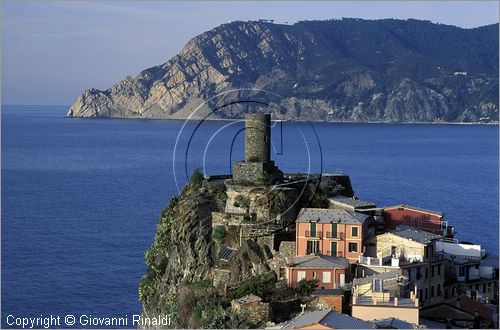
(257, 163)
(258, 138)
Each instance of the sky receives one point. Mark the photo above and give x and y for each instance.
(52, 51)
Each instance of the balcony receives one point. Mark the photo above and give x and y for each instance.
(336, 253)
(317, 234)
(335, 235)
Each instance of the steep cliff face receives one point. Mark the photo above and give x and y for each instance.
(350, 69)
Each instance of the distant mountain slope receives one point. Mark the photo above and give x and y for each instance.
(349, 69)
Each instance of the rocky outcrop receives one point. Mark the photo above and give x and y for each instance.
(336, 70)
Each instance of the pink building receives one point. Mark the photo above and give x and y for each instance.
(330, 232)
(329, 271)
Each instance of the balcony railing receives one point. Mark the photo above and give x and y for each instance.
(330, 234)
(335, 253)
(317, 234)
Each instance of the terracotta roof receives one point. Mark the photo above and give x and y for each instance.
(470, 306)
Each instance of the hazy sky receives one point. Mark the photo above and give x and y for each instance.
(52, 51)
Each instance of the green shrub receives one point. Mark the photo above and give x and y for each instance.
(260, 285)
(197, 313)
(197, 179)
(306, 287)
(200, 284)
(219, 232)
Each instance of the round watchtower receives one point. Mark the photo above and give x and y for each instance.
(258, 138)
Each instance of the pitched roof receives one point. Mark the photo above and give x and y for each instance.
(415, 208)
(331, 216)
(319, 261)
(469, 305)
(307, 319)
(417, 235)
(356, 203)
(343, 321)
(330, 319)
(394, 323)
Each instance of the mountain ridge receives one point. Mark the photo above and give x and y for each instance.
(335, 70)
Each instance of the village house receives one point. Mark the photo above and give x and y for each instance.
(428, 220)
(327, 319)
(383, 296)
(470, 271)
(331, 272)
(330, 232)
(412, 251)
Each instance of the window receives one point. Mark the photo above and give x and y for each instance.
(432, 291)
(426, 272)
(301, 275)
(439, 270)
(377, 285)
(312, 247)
(354, 231)
(333, 251)
(432, 270)
(334, 230)
(327, 277)
(353, 247)
(439, 290)
(315, 275)
(313, 229)
(409, 274)
(426, 294)
(420, 294)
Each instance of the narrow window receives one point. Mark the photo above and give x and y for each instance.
(432, 291)
(439, 270)
(354, 231)
(327, 277)
(301, 275)
(432, 270)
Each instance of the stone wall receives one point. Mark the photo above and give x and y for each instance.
(258, 138)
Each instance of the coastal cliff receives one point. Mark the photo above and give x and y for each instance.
(336, 70)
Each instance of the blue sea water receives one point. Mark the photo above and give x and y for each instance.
(80, 197)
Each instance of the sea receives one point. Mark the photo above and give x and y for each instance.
(80, 198)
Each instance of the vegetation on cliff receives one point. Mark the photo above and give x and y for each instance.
(182, 263)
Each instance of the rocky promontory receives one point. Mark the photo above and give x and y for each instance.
(336, 70)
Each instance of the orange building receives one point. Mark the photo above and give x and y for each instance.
(329, 271)
(330, 232)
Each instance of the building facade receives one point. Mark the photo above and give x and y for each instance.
(331, 272)
(330, 232)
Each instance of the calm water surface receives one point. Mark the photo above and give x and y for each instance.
(80, 198)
